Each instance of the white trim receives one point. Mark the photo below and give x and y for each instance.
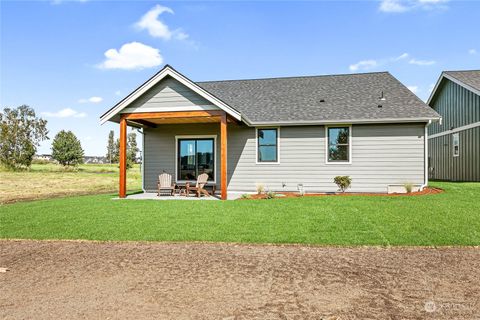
(425, 157)
(334, 122)
(350, 144)
(462, 128)
(256, 146)
(457, 134)
(142, 109)
(214, 154)
(168, 71)
(453, 79)
(143, 160)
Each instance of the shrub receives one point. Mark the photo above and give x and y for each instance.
(408, 187)
(343, 182)
(245, 196)
(260, 188)
(270, 195)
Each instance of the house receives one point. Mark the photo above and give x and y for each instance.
(281, 132)
(94, 160)
(454, 144)
(43, 157)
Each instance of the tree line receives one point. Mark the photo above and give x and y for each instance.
(21, 132)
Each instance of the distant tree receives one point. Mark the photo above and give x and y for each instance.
(111, 147)
(116, 151)
(66, 149)
(20, 134)
(132, 148)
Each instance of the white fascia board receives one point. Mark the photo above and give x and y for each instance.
(342, 121)
(168, 71)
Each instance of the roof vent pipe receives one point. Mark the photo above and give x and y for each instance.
(382, 98)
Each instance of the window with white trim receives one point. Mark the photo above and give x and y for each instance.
(194, 157)
(338, 139)
(267, 145)
(456, 144)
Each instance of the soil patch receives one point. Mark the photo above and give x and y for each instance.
(110, 280)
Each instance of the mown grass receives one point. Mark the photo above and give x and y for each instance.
(43, 181)
(449, 218)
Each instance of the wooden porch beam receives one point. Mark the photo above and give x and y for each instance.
(144, 123)
(176, 114)
(122, 190)
(223, 155)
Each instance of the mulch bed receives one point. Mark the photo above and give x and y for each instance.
(425, 191)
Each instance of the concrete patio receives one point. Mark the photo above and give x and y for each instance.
(154, 196)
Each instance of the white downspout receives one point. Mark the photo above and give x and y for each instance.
(426, 156)
(142, 165)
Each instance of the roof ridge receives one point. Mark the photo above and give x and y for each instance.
(297, 77)
(469, 70)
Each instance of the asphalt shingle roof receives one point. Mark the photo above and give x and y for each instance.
(468, 77)
(298, 99)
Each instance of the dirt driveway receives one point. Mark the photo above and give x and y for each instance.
(89, 280)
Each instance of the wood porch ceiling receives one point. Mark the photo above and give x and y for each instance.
(152, 119)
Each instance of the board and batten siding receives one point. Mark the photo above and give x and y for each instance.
(169, 95)
(382, 155)
(458, 107)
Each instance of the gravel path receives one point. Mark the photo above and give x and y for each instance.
(129, 280)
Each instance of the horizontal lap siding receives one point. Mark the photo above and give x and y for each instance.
(169, 95)
(159, 149)
(381, 155)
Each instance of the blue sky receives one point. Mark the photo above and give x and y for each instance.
(73, 60)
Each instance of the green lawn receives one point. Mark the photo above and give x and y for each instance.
(449, 218)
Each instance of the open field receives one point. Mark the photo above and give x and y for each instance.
(87, 280)
(51, 180)
(448, 218)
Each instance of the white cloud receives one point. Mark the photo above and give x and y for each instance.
(376, 63)
(392, 6)
(414, 89)
(91, 100)
(472, 51)
(65, 113)
(131, 56)
(421, 62)
(363, 65)
(157, 28)
(400, 6)
(401, 57)
(118, 92)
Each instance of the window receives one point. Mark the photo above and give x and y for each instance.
(267, 145)
(338, 148)
(195, 156)
(456, 144)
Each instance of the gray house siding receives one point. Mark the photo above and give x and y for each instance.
(381, 155)
(444, 166)
(458, 107)
(169, 95)
(159, 149)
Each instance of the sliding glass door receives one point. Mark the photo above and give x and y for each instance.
(195, 156)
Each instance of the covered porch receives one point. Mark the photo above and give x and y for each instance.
(218, 120)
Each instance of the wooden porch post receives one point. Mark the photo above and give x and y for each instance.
(223, 155)
(122, 191)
